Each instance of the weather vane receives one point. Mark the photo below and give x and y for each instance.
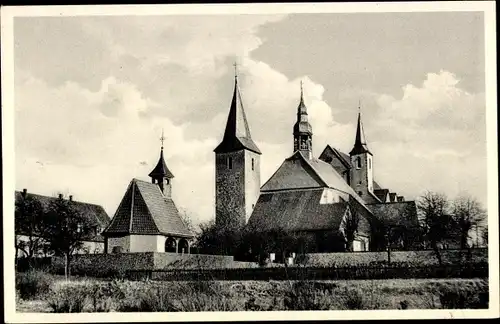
(235, 70)
(162, 138)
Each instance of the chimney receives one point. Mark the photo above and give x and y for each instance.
(60, 196)
(70, 197)
(24, 193)
(401, 199)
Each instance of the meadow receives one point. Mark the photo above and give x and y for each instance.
(38, 291)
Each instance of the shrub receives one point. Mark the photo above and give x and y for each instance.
(353, 299)
(68, 299)
(148, 299)
(32, 284)
(304, 295)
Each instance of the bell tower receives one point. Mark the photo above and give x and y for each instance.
(237, 169)
(302, 130)
(161, 175)
(361, 165)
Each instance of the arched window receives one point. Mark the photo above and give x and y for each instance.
(358, 162)
(253, 164)
(229, 163)
(183, 246)
(170, 245)
(369, 163)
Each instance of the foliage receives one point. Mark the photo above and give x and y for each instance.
(68, 299)
(66, 227)
(29, 216)
(32, 284)
(350, 226)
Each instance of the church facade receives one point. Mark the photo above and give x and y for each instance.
(333, 201)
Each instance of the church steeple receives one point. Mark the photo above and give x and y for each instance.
(237, 133)
(302, 130)
(360, 141)
(161, 175)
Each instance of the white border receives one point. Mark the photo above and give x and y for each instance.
(7, 57)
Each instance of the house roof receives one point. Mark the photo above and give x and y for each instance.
(299, 172)
(297, 210)
(237, 133)
(95, 214)
(145, 210)
(397, 213)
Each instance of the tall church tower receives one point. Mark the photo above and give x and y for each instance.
(302, 130)
(361, 165)
(161, 175)
(237, 169)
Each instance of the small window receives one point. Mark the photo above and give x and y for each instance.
(253, 164)
(360, 193)
(358, 162)
(229, 163)
(253, 206)
(369, 163)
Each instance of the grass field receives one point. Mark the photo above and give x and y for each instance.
(55, 294)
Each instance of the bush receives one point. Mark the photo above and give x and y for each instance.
(304, 295)
(353, 299)
(68, 299)
(152, 299)
(32, 284)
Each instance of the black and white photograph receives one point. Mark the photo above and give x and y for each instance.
(253, 161)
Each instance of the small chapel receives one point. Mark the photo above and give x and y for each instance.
(314, 197)
(147, 219)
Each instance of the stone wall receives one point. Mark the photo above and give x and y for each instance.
(414, 257)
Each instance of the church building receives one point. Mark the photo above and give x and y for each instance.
(147, 219)
(318, 199)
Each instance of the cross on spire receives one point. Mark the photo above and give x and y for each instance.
(162, 138)
(235, 70)
(301, 89)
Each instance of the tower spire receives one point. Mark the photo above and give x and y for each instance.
(237, 133)
(360, 141)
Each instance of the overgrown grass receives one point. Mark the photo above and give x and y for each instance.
(32, 284)
(87, 295)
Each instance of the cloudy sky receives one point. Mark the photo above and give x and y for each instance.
(92, 95)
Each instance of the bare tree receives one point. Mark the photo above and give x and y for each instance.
(436, 220)
(350, 226)
(467, 214)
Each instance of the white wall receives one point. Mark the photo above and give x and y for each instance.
(160, 243)
(144, 243)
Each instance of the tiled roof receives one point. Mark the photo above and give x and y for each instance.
(145, 210)
(298, 171)
(237, 134)
(95, 214)
(399, 213)
(297, 210)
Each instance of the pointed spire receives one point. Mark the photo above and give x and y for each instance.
(360, 141)
(237, 133)
(161, 170)
(302, 125)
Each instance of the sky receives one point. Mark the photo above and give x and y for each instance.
(92, 95)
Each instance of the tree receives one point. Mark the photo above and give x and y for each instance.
(436, 220)
(350, 225)
(484, 235)
(66, 228)
(467, 214)
(29, 222)
(187, 220)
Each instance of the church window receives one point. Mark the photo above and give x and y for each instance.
(229, 163)
(360, 193)
(369, 163)
(358, 162)
(253, 164)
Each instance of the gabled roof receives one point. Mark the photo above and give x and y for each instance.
(237, 134)
(397, 213)
(145, 210)
(161, 170)
(296, 210)
(95, 214)
(299, 172)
